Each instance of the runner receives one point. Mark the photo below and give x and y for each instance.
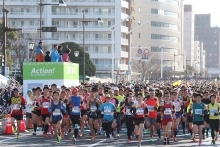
(213, 109)
(129, 118)
(109, 112)
(177, 105)
(57, 110)
(150, 120)
(168, 112)
(17, 105)
(29, 101)
(198, 117)
(36, 113)
(45, 104)
(75, 113)
(206, 101)
(158, 122)
(93, 105)
(139, 110)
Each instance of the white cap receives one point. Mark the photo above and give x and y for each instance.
(116, 88)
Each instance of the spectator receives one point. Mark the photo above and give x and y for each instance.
(60, 51)
(54, 54)
(66, 55)
(47, 58)
(7, 95)
(39, 53)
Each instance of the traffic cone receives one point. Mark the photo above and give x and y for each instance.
(22, 126)
(8, 128)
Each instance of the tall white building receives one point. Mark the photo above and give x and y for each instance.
(189, 23)
(165, 28)
(68, 20)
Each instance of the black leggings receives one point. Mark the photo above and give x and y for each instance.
(214, 125)
(130, 128)
(108, 128)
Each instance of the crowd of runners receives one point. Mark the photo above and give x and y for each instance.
(106, 108)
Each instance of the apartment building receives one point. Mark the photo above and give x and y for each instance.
(68, 20)
(210, 36)
(165, 28)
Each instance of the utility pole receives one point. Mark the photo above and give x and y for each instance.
(4, 30)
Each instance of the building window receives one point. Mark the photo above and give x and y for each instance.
(171, 2)
(165, 50)
(164, 37)
(139, 35)
(165, 13)
(139, 9)
(164, 25)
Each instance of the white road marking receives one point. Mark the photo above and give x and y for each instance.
(12, 138)
(97, 143)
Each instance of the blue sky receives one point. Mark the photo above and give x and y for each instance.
(205, 7)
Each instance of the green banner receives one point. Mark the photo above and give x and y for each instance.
(50, 70)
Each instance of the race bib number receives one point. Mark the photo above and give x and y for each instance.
(167, 111)
(213, 111)
(108, 112)
(128, 111)
(150, 108)
(198, 111)
(93, 108)
(177, 108)
(16, 107)
(75, 109)
(140, 111)
(56, 112)
(46, 104)
(28, 107)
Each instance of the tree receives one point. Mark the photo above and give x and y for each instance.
(11, 36)
(20, 49)
(149, 67)
(90, 68)
(189, 70)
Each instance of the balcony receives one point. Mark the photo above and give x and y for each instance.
(124, 54)
(124, 41)
(124, 29)
(108, 67)
(24, 15)
(89, 1)
(21, 2)
(123, 16)
(124, 4)
(99, 55)
(80, 15)
(123, 67)
(80, 27)
(87, 40)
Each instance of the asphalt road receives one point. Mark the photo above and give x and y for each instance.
(27, 140)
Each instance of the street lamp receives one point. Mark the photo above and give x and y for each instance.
(130, 32)
(161, 49)
(61, 3)
(76, 53)
(85, 21)
(112, 28)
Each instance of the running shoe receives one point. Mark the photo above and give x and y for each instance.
(200, 143)
(129, 141)
(168, 141)
(107, 140)
(17, 136)
(165, 141)
(34, 134)
(65, 133)
(45, 135)
(74, 139)
(151, 139)
(213, 142)
(93, 138)
(174, 139)
(58, 138)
